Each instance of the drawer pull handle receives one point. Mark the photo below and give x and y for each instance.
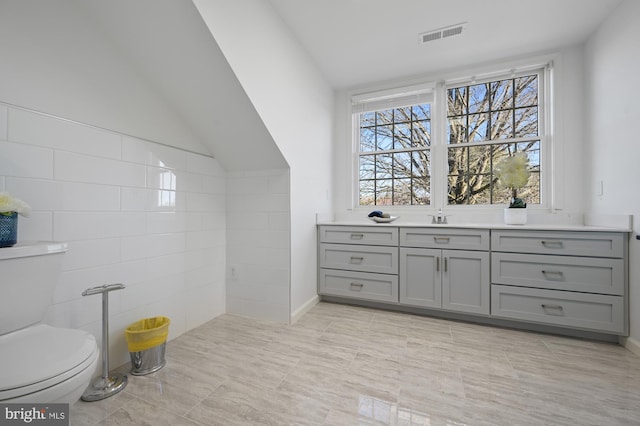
(357, 236)
(357, 286)
(556, 307)
(552, 244)
(442, 239)
(356, 259)
(553, 275)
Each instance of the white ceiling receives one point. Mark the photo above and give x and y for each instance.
(355, 42)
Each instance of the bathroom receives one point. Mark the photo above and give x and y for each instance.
(196, 193)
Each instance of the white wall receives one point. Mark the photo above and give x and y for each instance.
(258, 244)
(56, 60)
(99, 191)
(612, 113)
(295, 104)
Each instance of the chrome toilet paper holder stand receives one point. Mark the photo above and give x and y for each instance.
(109, 383)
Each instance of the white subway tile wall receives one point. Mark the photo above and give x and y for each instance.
(258, 244)
(149, 216)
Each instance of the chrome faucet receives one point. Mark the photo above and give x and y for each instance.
(440, 219)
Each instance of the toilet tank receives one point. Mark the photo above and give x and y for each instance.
(28, 276)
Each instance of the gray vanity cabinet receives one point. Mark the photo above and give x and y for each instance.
(449, 278)
(569, 279)
(560, 279)
(358, 262)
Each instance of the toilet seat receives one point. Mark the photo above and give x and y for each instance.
(41, 356)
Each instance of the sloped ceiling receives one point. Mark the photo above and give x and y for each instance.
(356, 42)
(169, 44)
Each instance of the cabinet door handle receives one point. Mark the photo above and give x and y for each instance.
(357, 236)
(553, 275)
(444, 240)
(356, 260)
(556, 307)
(357, 286)
(437, 264)
(445, 264)
(552, 244)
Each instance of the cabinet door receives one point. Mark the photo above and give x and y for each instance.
(465, 281)
(420, 283)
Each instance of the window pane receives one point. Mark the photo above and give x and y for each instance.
(367, 193)
(458, 158)
(501, 95)
(420, 163)
(532, 149)
(478, 127)
(402, 115)
(367, 167)
(526, 122)
(384, 166)
(421, 134)
(456, 101)
(367, 119)
(421, 112)
(479, 189)
(526, 91)
(402, 136)
(421, 191)
(457, 130)
(479, 159)
(384, 117)
(367, 139)
(402, 165)
(478, 98)
(402, 192)
(502, 125)
(457, 189)
(384, 192)
(384, 137)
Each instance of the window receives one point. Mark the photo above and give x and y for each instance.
(395, 156)
(487, 122)
(481, 124)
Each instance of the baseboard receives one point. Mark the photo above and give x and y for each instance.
(632, 344)
(295, 316)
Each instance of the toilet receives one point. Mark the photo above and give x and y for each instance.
(38, 363)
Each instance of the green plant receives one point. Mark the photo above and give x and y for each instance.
(513, 173)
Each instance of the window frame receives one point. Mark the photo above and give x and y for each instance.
(439, 147)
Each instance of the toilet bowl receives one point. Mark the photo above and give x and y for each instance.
(38, 363)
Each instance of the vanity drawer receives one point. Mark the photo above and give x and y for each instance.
(359, 285)
(592, 275)
(597, 244)
(446, 238)
(562, 308)
(369, 235)
(359, 258)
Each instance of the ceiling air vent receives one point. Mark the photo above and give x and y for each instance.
(450, 31)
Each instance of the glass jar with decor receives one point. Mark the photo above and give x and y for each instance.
(10, 208)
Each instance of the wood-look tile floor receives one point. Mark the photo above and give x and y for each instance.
(344, 365)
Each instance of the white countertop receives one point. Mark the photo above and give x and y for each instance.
(534, 227)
